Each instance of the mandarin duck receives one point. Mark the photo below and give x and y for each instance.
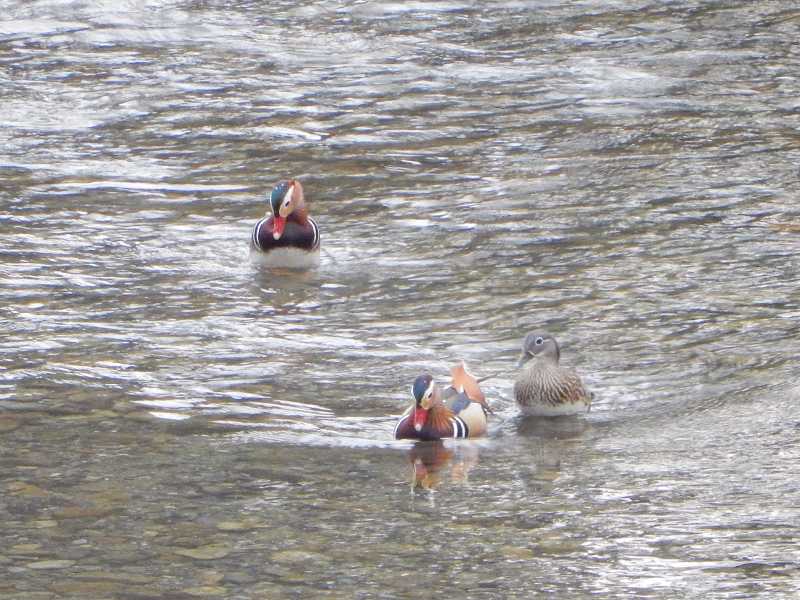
(286, 236)
(543, 387)
(457, 411)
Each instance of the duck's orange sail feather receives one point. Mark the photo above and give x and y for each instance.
(466, 381)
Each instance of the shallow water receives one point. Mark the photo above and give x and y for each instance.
(177, 421)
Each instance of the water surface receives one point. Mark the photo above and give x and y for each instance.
(177, 421)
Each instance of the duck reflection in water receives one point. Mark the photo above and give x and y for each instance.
(551, 428)
(433, 463)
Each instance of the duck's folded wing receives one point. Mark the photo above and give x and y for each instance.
(456, 400)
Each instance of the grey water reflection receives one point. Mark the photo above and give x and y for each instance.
(177, 421)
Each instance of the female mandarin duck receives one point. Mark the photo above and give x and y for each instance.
(543, 388)
(458, 411)
(287, 236)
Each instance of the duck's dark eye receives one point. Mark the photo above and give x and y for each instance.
(539, 341)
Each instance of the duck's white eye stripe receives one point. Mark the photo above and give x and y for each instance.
(429, 390)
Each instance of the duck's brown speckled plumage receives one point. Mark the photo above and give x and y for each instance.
(548, 384)
(545, 388)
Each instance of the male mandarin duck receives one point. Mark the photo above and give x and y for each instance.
(543, 388)
(458, 411)
(287, 236)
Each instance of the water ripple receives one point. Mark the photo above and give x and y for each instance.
(621, 173)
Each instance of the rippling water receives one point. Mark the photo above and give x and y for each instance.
(178, 421)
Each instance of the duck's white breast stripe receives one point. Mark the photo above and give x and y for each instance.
(459, 428)
(316, 233)
(257, 232)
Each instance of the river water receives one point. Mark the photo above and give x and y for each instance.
(177, 421)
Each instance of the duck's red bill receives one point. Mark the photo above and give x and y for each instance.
(420, 416)
(278, 223)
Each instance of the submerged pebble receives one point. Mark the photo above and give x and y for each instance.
(50, 564)
(209, 552)
(8, 424)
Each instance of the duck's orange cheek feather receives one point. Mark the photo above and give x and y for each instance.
(278, 223)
